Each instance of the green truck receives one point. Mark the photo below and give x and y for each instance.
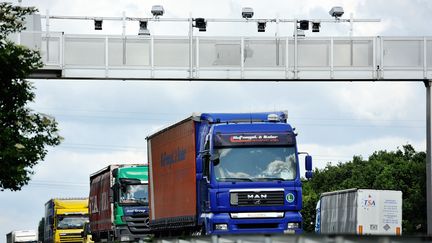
(118, 203)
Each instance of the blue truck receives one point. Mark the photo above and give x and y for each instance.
(226, 173)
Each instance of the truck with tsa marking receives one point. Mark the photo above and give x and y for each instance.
(216, 173)
(360, 211)
(119, 203)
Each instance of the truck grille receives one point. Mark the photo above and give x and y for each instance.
(257, 226)
(257, 198)
(138, 224)
(70, 237)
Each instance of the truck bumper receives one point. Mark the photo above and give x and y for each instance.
(215, 224)
(68, 235)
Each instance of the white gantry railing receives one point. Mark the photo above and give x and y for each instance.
(231, 58)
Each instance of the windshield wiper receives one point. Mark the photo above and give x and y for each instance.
(142, 201)
(234, 179)
(268, 179)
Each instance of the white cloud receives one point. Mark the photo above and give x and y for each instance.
(377, 101)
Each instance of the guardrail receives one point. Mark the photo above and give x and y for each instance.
(305, 238)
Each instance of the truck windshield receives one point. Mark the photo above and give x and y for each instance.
(256, 164)
(134, 194)
(72, 221)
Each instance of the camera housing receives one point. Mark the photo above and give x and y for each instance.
(336, 12)
(247, 12)
(157, 10)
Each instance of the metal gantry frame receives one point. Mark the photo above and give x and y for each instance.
(379, 70)
(193, 68)
(289, 53)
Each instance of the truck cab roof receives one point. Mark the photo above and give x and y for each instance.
(252, 128)
(280, 116)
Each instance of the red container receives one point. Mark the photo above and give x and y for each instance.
(172, 172)
(99, 203)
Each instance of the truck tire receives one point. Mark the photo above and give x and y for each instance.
(200, 231)
(96, 237)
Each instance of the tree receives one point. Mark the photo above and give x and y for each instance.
(24, 134)
(404, 169)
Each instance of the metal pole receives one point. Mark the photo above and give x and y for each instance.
(295, 50)
(190, 45)
(47, 29)
(242, 57)
(277, 40)
(429, 156)
(123, 24)
(124, 37)
(47, 22)
(351, 41)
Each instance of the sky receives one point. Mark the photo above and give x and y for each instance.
(106, 122)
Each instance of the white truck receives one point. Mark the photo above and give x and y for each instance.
(22, 236)
(360, 211)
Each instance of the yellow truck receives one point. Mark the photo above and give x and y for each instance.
(65, 219)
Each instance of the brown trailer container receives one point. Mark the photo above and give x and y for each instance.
(172, 172)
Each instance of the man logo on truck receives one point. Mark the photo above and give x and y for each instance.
(257, 196)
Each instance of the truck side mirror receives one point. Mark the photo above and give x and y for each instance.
(308, 166)
(308, 163)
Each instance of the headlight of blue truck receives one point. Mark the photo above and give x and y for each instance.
(221, 227)
(293, 225)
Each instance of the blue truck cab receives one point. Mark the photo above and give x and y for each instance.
(248, 174)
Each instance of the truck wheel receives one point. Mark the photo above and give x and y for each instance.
(95, 237)
(199, 231)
